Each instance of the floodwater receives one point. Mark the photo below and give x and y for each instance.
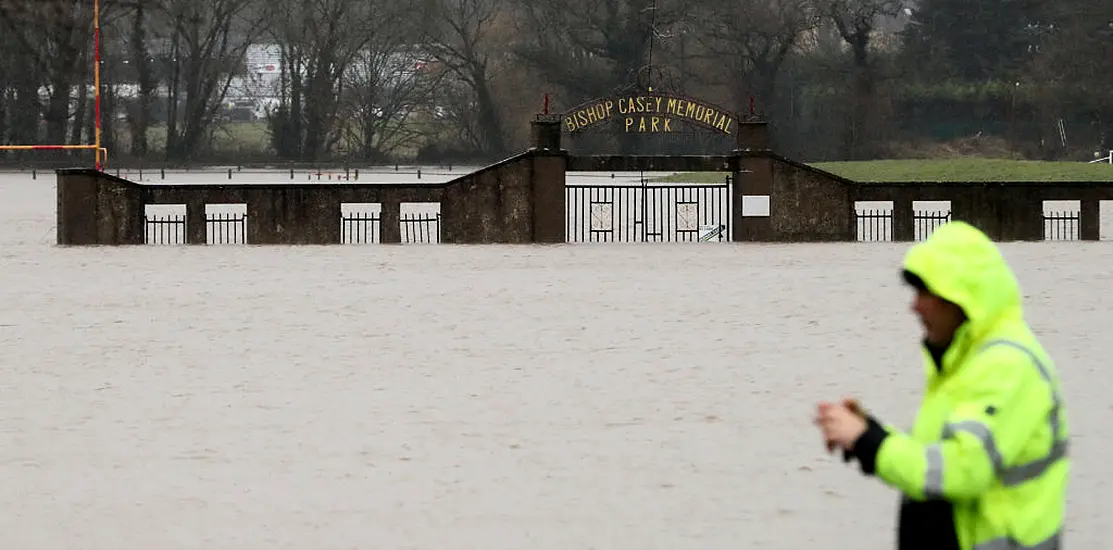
(477, 397)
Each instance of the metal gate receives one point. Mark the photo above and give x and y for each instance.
(648, 212)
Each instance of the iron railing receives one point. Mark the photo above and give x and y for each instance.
(169, 229)
(927, 221)
(874, 225)
(360, 228)
(366, 228)
(421, 228)
(1061, 226)
(599, 213)
(877, 225)
(226, 228)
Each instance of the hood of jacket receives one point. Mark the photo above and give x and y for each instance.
(960, 264)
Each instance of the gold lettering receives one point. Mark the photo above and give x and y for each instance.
(648, 113)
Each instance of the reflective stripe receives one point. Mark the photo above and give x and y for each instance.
(1054, 542)
(1015, 475)
(1012, 475)
(1056, 400)
(985, 437)
(1031, 470)
(933, 476)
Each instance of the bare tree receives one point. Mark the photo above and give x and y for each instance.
(208, 40)
(140, 118)
(594, 47)
(461, 35)
(753, 47)
(385, 89)
(19, 102)
(384, 97)
(456, 110)
(319, 40)
(856, 21)
(52, 41)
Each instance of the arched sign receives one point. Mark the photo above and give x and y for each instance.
(649, 113)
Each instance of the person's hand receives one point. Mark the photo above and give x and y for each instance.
(854, 407)
(841, 423)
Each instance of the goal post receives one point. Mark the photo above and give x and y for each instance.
(100, 153)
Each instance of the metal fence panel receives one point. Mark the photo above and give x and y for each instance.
(648, 213)
(360, 228)
(226, 228)
(1061, 226)
(164, 230)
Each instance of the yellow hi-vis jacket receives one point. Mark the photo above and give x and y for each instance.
(991, 434)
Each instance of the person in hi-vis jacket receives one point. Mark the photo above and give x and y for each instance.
(985, 465)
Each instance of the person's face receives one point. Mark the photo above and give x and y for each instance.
(939, 317)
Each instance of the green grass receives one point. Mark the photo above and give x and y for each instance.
(965, 169)
(233, 136)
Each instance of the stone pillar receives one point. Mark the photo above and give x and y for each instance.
(547, 177)
(753, 177)
(966, 207)
(95, 208)
(329, 222)
(1021, 219)
(753, 135)
(548, 196)
(262, 222)
(1002, 215)
(1089, 220)
(196, 228)
(76, 209)
(390, 224)
(904, 223)
(545, 132)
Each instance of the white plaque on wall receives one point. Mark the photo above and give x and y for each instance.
(756, 206)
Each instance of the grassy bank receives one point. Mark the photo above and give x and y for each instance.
(969, 169)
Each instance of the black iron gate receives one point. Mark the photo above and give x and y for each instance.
(646, 212)
(226, 228)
